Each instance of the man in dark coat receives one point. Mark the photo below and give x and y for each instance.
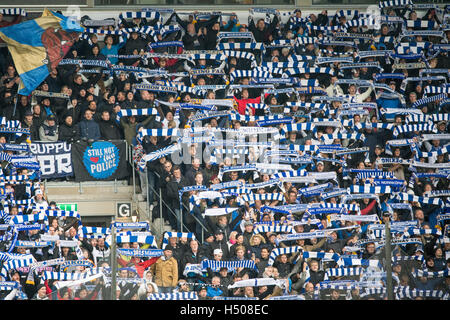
(109, 129)
(176, 183)
(68, 131)
(261, 32)
(89, 129)
(221, 243)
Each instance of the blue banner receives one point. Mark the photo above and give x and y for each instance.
(55, 158)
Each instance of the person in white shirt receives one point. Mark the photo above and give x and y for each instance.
(41, 203)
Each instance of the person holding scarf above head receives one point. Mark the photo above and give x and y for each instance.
(261, 32)
(112, 49)
(244, 100)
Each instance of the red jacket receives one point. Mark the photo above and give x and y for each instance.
(170, 62)
(141, 266)
(242, 104)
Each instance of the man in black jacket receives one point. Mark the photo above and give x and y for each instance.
(191, 38)
(150, 144)
(192, 256)
(261, 32)
(221, 243)
(68, 131)
(109, 129)
(175, 184)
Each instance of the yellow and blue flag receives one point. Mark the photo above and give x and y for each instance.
(37, 46)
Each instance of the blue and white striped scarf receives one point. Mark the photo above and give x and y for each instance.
(13, 12)
(429, 274)
(209, 56)
(414, 198)
(8, 285)
(412, 48)
(304, 126)
(407, 258)
(14, 261)
(174, 296)
(394, 3)
(344, 272)
(161, 132)
(33, 244)
(140, 239)
(131, 225)
(279, 251)
(140, 252)
(136, 112)
(323, 28)
(230, 265)
(443, 150)
(333, 193)
(20, 219)
(240, 46)
(428, 117)
(71, 263)
(251, 198)
(436, 90)
(346, 217)
(290, 72)
(421, 127)
(258, 282)
(249, 74)
(320, 255)
(359, 23)
(410, 232)
(352, 136)
(407, 292)
(338, 285)
(168, 235)
(61, 213)
(240, 55)
(69, 276)
(158, 154)
(304, 235)
(275, 229)
(283, 65)
(359, 262)
(85, 62)
(151, 15)
(93, 232)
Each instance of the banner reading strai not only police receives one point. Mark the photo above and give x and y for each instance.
(102, 160)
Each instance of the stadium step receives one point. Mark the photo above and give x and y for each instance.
(94, 199)
(91, 198)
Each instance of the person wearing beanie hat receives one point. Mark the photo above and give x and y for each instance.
(68, 131)
(165, 271)
(203, 293)
(41, 293)
(48, 131)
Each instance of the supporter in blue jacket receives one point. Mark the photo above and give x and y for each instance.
(89, 129)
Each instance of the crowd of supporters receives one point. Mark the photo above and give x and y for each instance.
(355, 117)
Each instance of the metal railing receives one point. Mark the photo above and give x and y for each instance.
(181, 226)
